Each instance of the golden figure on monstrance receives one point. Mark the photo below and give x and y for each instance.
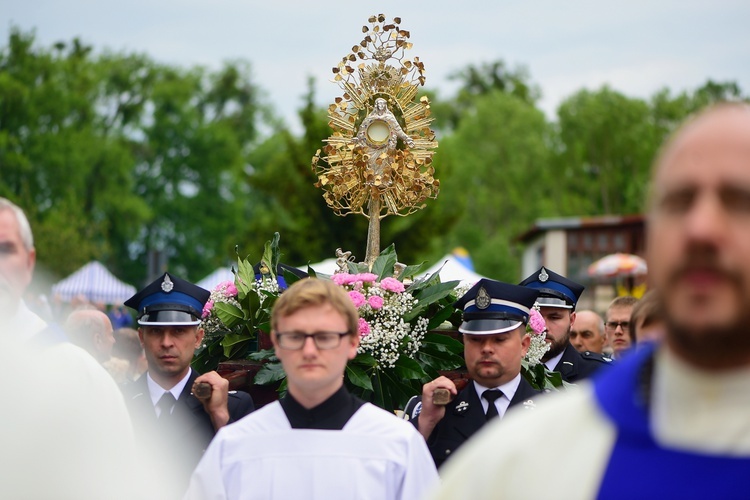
(378, 162)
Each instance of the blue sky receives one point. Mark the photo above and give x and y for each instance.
(637, 47)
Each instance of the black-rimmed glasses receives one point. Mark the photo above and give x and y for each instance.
(296, 340)
(612, 325)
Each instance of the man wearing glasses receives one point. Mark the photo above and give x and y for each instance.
(617, 324)
(318, 441)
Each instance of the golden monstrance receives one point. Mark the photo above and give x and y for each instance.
(378, 161)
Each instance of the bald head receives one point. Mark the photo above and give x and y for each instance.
(587, 333)
(91, 329)
(699, 238)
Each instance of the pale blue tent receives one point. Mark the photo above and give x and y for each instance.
(95, 283)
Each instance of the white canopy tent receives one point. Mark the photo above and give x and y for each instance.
(452, 270)
(327, 266)
(95, 283)
(216, 277)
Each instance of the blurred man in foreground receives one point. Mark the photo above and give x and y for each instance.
(665, 422)
(65, 432)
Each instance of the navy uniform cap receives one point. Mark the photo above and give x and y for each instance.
(169, 300)
(491, 307)
(554, 290)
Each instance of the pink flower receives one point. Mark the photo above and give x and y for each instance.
(392, 285)
(207, 308)
(536, 322)
(357, 298)
(342, 279)
(367, 277)
(364, 328)
(228, 287)
(375, 302)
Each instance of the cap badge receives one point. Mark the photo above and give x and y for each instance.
(483, 299)
(167, 284)
(543, 276)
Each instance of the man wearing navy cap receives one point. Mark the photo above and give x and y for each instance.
(495, 315)
(557, 303)
(171, 423)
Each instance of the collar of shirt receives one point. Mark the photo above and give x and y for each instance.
(156, 391)
(331, 414)
(700, 410)
(508, 389)
(552, 363)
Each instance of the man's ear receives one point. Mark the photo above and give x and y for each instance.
(274, 341)
(354, 339)
(201, 333)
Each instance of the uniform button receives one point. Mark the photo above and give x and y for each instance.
(447, 452)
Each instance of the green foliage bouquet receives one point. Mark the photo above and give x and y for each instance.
(398, 350)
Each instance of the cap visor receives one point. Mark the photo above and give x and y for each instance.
(488, 326)
(176, 318)
(553, 302)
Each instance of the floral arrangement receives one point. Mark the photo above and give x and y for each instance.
(397, 351)
(382, 305)
(536, 329)
(532, 368)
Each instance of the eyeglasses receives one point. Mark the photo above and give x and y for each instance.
(612, 325)
(323, 340)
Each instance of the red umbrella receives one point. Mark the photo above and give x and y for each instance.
(618, 264)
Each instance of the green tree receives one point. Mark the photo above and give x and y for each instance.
(606, 145)
(191, 164)
(58, 160)
(495, 173)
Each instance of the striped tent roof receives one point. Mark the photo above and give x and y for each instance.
(94, 282)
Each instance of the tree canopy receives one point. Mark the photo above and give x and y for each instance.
(147, 166)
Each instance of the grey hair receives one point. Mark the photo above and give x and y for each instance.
(24, 228)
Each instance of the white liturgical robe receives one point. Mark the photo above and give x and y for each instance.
(375, 456)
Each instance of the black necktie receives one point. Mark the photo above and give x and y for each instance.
(165, 404)
(491, 395)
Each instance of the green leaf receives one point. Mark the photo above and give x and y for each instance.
(408, 369)
(437, 358)
(429, 295)
(229, 314)
(244, 278)
(271, 257)
(396, 391)
(358, 377)
(383, 265)
(440, 316)
(233, 342)
(269, 373)
(365, 359)
(447, 341)
(411, 271)
(357, 267)
(263, 355)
